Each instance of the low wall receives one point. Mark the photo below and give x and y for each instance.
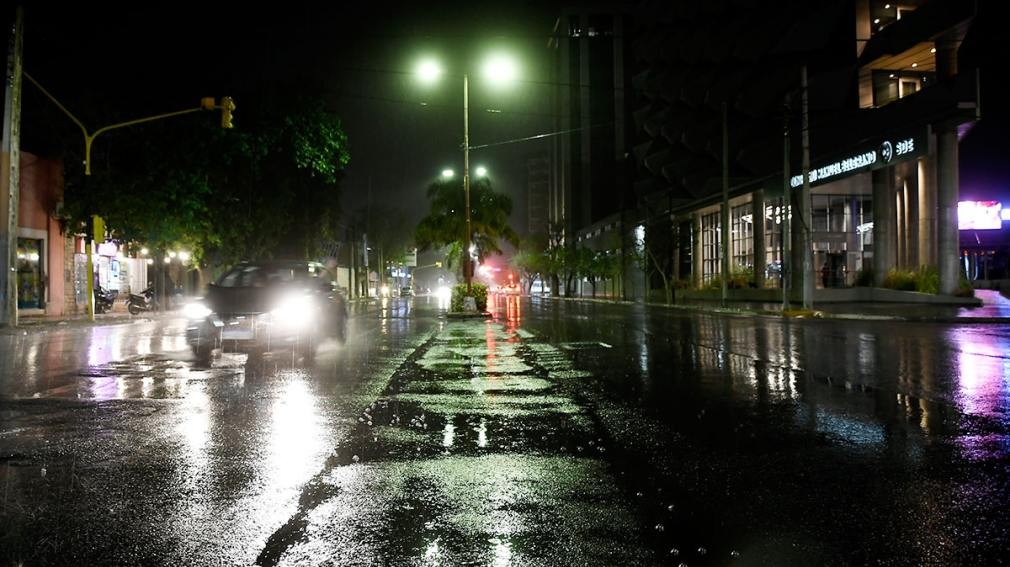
(1003, 286)
(831, 295)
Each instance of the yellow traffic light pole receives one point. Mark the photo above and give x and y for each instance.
(226, 106)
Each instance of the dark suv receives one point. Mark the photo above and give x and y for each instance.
(258, 306)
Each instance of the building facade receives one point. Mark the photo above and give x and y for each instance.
(41, 245)
(538, 179)
(886, 107)
(589, 177)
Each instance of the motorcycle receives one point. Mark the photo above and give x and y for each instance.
(144, 301)
(104, 299)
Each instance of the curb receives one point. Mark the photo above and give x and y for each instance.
(817, 315)
(484, 315)
(24, 327)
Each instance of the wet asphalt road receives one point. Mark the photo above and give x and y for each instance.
(560, 433)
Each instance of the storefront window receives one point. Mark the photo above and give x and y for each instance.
(742, 237)
(710, 243)
(842, 231)
(686, 244)
(30, 281)
(773, 242)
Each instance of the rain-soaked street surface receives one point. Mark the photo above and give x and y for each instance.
(558, 433)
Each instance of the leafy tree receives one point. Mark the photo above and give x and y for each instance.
(531, 260)
(653, 259)
(267, 188)
(610, 267)
(277, 185)
(445, 225)
(595, 266)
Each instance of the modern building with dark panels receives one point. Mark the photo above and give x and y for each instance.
(641, 95)
(590, 160)
(538, 180)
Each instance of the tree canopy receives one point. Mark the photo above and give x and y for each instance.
(267, 188)
(445, 225)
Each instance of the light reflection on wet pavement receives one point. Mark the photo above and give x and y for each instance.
(470, 458)
(558, 433)
(805, 442)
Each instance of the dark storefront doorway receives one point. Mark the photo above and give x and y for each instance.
(833, 271)
(31, 286)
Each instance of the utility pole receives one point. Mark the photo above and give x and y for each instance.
(725, 206)
(808, 260)
(352, 276)
(785, 262)
(10, 175)
(364, 261)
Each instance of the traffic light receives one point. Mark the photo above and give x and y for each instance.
(438, 264)
(227, 106)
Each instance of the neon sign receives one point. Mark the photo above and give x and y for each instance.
(839, 167)
(881, 156)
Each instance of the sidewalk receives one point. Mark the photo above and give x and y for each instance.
(42, 323)
(995, 309)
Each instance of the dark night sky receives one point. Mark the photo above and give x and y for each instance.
(140, 60)
(985, 151)
(137, 60)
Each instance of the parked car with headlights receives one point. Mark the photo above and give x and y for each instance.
(261, 306)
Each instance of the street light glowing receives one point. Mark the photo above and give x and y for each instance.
(481, 171)
(500, 69)
(429, 71)
(448, 174)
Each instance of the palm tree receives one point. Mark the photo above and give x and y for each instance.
(445, 225)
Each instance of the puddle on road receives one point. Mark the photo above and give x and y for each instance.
(151, 376)
(498, 509)
(479, 385)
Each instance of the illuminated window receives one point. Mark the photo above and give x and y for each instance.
(773, 241)
(742, 236)
(711, 240)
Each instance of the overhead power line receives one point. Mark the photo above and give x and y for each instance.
(538, 136)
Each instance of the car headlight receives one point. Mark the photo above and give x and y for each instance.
(196, 310)
(294, 311)
(384, 291)
(444, 293)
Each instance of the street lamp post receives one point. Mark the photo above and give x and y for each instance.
(499, 69)
(467, 271)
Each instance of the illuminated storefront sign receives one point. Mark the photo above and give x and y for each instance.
(980, 215)
(108, 248)
(885, 153)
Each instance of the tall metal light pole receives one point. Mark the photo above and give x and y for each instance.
(499, 69)
(467, 271)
